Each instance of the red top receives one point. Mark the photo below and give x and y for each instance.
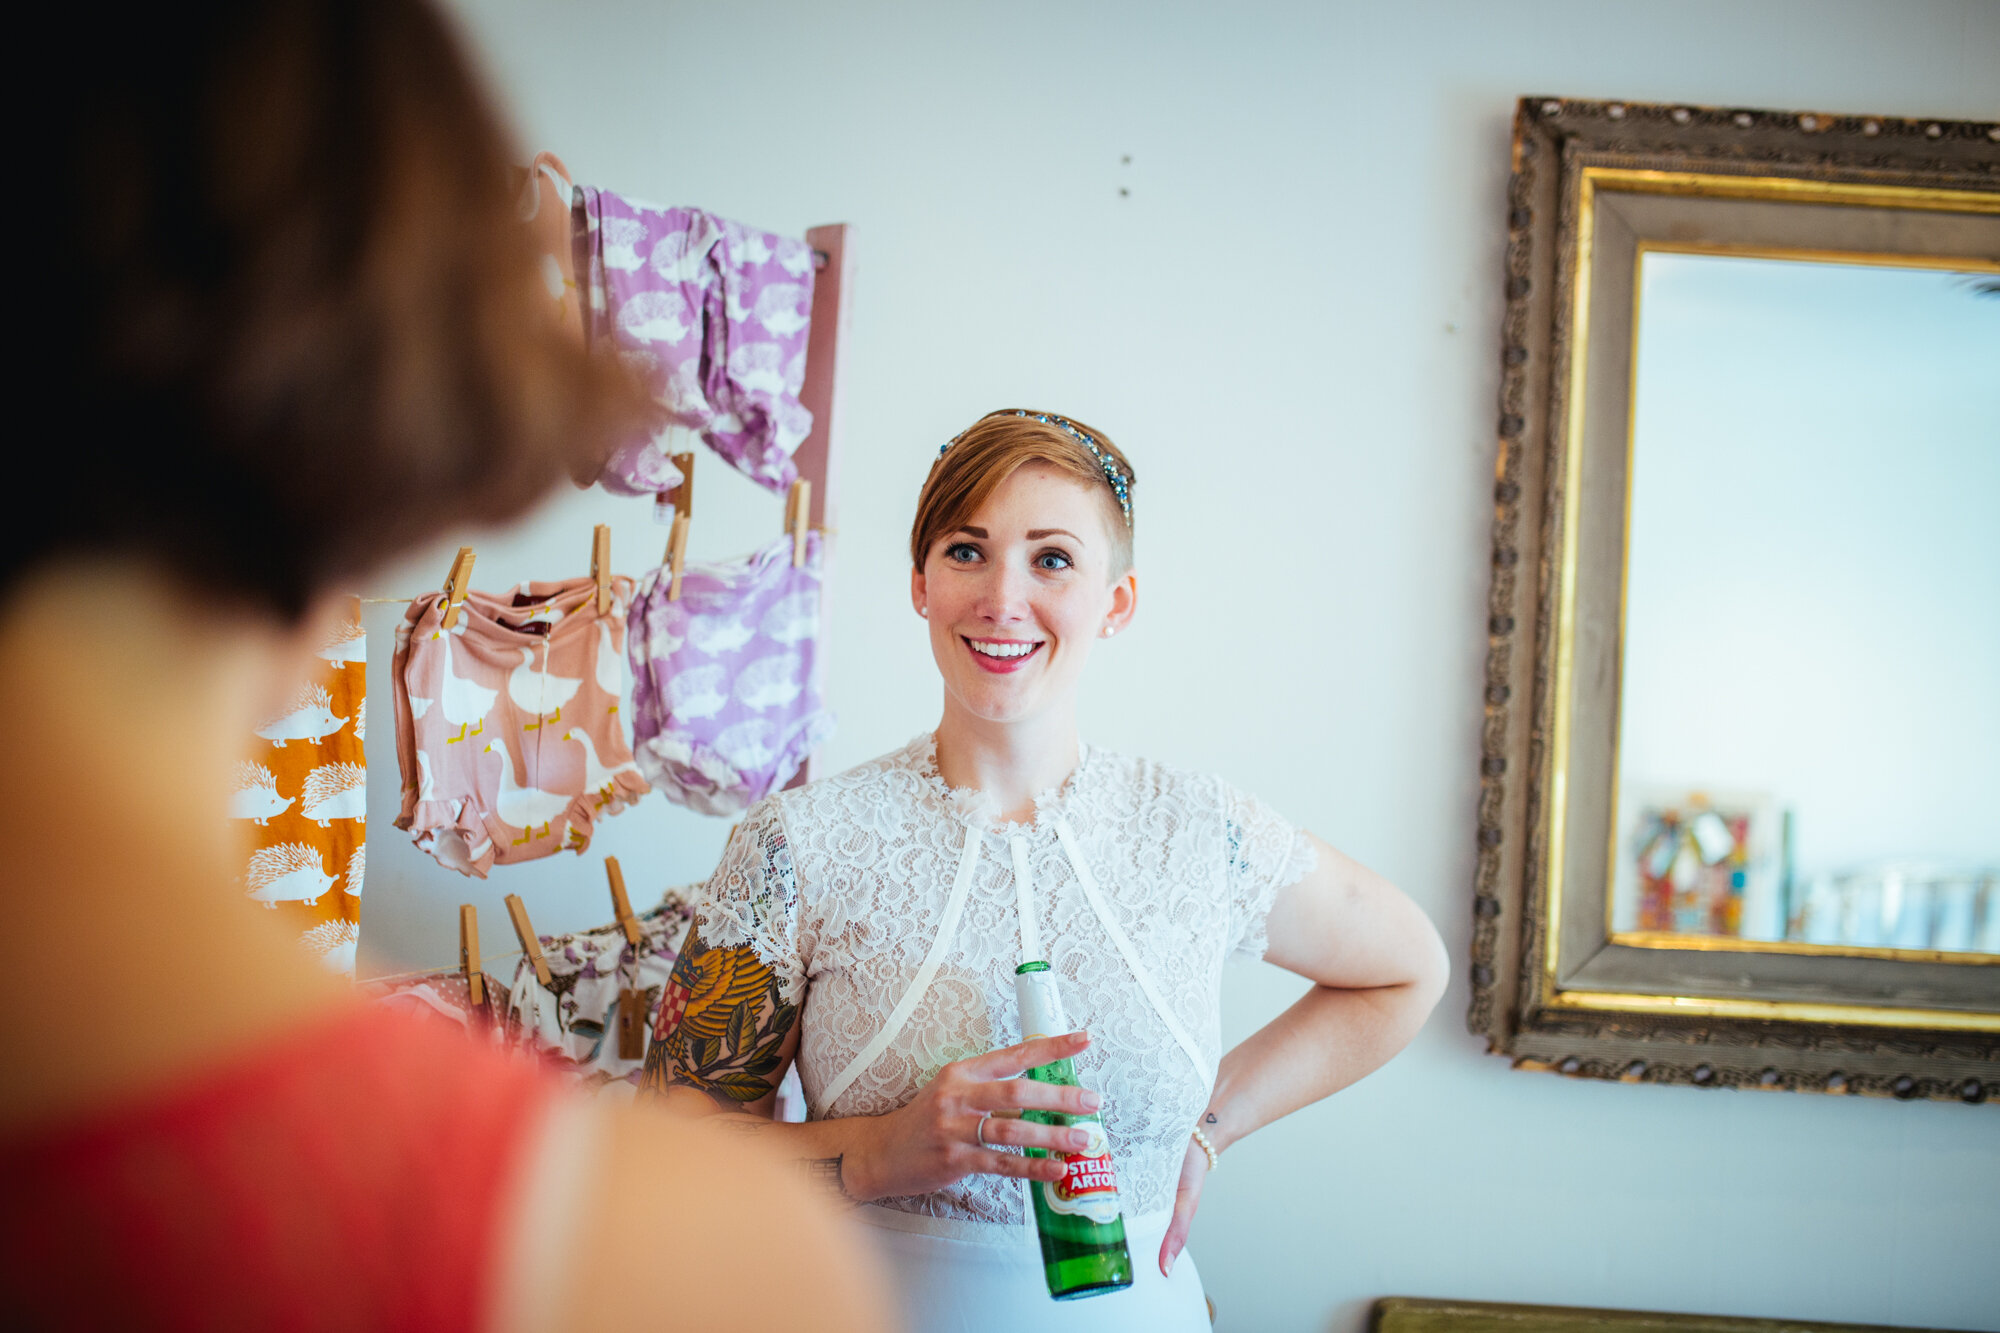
(348, 1179)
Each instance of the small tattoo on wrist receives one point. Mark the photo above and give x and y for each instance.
(1208, 1119)
(824, 1172)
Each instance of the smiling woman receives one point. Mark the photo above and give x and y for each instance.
(904, 893)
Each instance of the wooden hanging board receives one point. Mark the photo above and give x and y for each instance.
(818, 456)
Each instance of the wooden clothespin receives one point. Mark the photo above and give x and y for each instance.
(621, 906)
(632, 1015)
(531, 943)
(677, 540)
(798, 518)
(600, 566)
(456, 583)
(468, 953)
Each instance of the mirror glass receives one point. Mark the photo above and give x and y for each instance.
(1809, 707)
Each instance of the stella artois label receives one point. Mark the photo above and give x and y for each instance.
(1089, 1187)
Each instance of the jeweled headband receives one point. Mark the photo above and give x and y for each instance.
(1121, 485)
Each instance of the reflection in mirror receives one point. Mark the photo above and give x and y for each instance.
(1810, 701)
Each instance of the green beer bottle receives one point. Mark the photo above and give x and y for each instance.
(1082, 1230)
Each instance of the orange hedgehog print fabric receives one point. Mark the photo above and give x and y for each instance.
(302, 798)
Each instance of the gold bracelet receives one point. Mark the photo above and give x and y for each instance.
(1207, 1147)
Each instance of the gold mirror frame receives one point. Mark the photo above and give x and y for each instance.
(1595, 184)
(1406, 1314)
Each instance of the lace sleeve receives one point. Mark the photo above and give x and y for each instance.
(1264, 854)
(753, 898)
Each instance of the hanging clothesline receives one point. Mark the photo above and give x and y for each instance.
(822, 529)
(445, 971)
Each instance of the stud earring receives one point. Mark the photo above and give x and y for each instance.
(924, 611)
(1109, 630)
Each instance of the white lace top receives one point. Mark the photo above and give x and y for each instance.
(842, 887)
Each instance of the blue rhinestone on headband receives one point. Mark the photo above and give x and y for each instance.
(1121, 485)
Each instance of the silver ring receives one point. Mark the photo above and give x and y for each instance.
(979, 1130)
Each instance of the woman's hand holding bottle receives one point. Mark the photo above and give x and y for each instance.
(957, 1123)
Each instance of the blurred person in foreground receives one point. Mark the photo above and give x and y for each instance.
(286, 326)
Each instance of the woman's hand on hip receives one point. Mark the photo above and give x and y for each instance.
(935, 1139)
(1187, 1196)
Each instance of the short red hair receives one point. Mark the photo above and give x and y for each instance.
(992, 450)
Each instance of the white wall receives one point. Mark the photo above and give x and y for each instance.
(1291, 322)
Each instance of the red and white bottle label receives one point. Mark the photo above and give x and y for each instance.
(1089, 1187)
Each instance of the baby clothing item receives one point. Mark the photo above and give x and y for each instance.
(514, 1019)
(725, 681)
(302, 794)
(576, 1016)
(532, 1022)
(507, 725)
(442, 996)
(713, 317)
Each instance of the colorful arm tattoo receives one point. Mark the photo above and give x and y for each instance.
(722, 1026)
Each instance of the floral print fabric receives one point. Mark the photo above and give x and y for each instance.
(589, 969)
(713, 317)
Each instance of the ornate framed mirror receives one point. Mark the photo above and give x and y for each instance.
(1739, 816)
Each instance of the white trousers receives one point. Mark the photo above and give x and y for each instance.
(978, 1277)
